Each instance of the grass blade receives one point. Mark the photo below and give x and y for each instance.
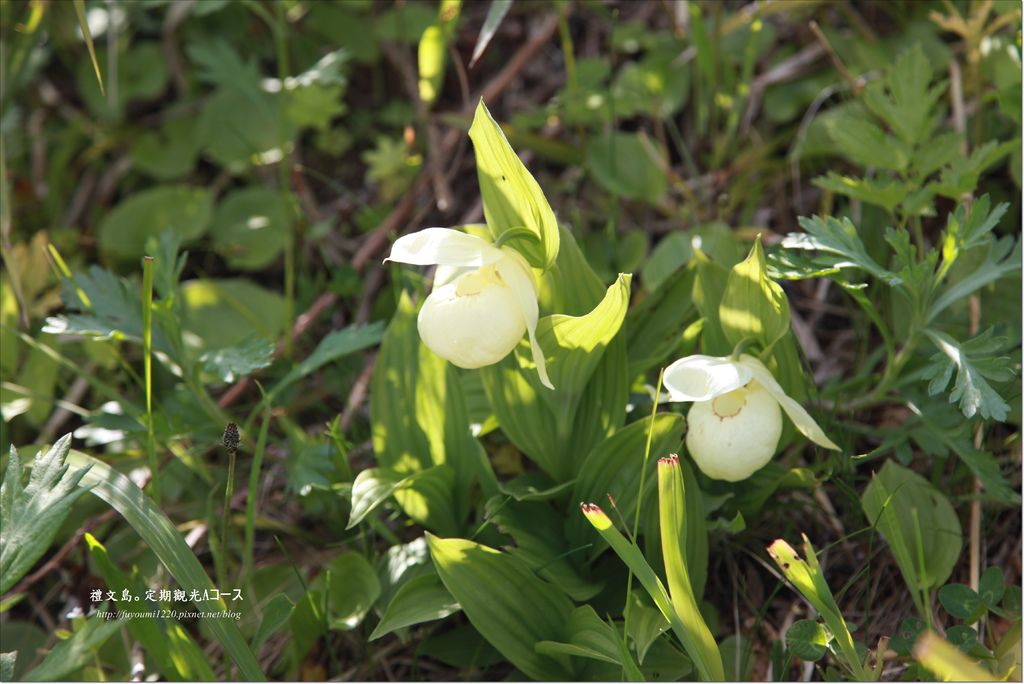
(169, 546)
(80, 11)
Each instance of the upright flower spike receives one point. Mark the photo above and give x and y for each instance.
(484, 298)
(735, 423)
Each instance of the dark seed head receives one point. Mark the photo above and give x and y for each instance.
(231, 438)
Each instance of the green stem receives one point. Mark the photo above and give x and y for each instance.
(147, 347)
(254, 482)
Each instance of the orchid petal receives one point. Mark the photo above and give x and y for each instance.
(702, 378)
(444, 246)
(517, 275)
(801, 419)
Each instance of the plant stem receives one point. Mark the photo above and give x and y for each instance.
(147, 347)
(254, 482)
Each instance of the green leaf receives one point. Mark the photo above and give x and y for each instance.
(250, 228)
(591, 637)
(919, 524)
(336, 344)
(222, 313)
(654, 328)
(239, 130)
(840, 241)
(629, 553)
(169, 646)
(646, 624)
(614, 468)
(169, 152)
(627, 165)
(77, 650)
(672, 507)
(540, 542)
(975, 363)
(352, 589)
(903, 100)
(864, 143)
(167, 543)
(425, 495)
(186, 211)
(419, 600)
(962, 602)
(231, 363)
(885, 193)
(708, 289)
(903, 641)
(574, 344)
(807, 640)
(511, 196)
(753, 306)
(495, 14)
(962, 178)
(506, 602)
(990, 586)
(1004, 257)
(275, 616)
(7, 661)
(32, 514)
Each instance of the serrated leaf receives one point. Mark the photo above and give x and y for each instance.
(419, 600)
(753, 306)
(511, 197)
(883, 193)
(506, 602)
(336, 344)
(77, 650)
(837, 239)
(807, 640)
(864, 143)
(33, 514)
(1004, 258)
(235, 362)
(975, 363)
(903, 98)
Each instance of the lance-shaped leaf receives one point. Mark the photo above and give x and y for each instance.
(511, 197)
(421, 599)
(697, 638)
(806, 576)
(753, 306)
(635, 561)
(591, 637)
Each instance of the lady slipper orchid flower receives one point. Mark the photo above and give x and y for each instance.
(484, 298)
(735, 423)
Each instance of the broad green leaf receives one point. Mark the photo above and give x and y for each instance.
(27, 640)
(807, 640)
(7, 662)
(946, 660)
(919, 524)
(614, 468)
(506, 602)
(628, 165)
(511, 196)
(753, 306)
(32, 514)
(646, 624)
(602, 407)
(903, 641)
(167, 645)
(709, 669)
(654, 328)
(976, 363)
(250, 228)
(461, 647)
(708, 290)
(167, 153)
(186, 211)
(222, 313)
(673, 518)
(167, 543)
(540, 542)
(495, 14)
(990, 586)
(77, 650)
(352, 589)
(231, 363)
(425, 495)
(962, 602)
(421, 599)
(238, 130)
(591, 637)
